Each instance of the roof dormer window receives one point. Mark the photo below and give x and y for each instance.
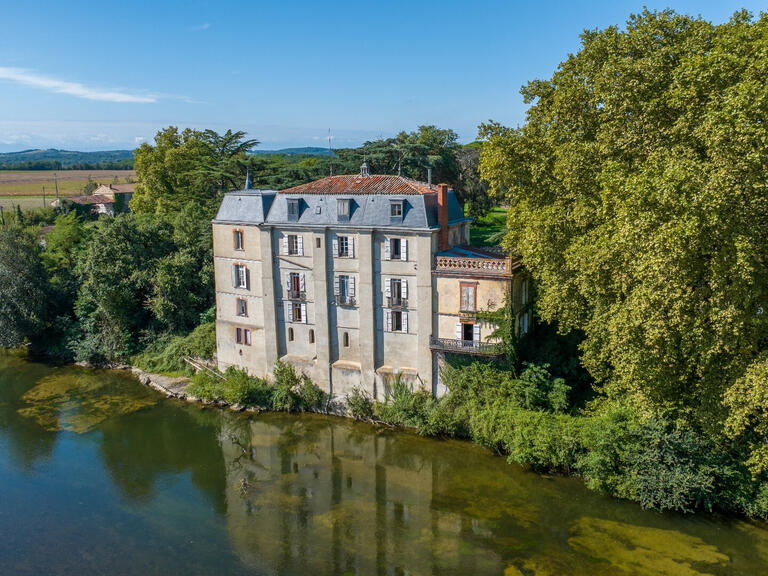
(396, 210)
(343, 209)
(293, 210)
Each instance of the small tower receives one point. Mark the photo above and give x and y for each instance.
(364, 171)
(247, 180)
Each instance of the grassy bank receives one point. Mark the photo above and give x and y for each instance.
(487, 231)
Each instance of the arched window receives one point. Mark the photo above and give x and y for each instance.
(346, 339)
(311, 336)
(290, 334)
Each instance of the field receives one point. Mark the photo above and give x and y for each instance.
(71, 182)
(484, 231)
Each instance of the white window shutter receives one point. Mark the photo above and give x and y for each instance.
(404, 317)
(386, 249)
(351, 246)
(302, 283)
(288, 282)
(389, 320)
(403, 249)
(458, 331)
(404, 287)
(301, 245)
(476, 332)
(290, 311)
(304, 312)
(336, 247)
(285, 244)
(388, 287)
(336, 286)
(351, 287)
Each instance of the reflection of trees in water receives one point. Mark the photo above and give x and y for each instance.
(140, 447)
(28, 441)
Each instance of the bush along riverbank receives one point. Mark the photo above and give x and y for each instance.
(614, 448)
(529, 418)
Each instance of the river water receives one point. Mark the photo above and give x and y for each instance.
(100, 475)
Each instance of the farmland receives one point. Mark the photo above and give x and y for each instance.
(14, 184)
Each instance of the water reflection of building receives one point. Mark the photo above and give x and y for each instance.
(325, 499)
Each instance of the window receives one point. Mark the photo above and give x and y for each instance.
(311, 336)
(344, 289)
(396, 291)
(297, 312)
(293, 210)
(243, 336)
(242, 307)
(294, 245)
(317, 242)
(343, 247)
(290, 334)
(524, 292)
(240, 276)
(396, 210)
(395, 249)
(345, 339)
(468, 298)
(396, 321)
(295, 285)
(524, 323)
(343, 209)
(238, 239)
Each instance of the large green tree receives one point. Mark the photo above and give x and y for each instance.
(23, 286)
(639, 203)
(189, 167)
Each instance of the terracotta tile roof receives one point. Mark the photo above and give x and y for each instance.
(356, 184)
(92, 199)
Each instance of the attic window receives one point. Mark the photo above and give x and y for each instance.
(396, 209)
(343, 209)
(293, 210)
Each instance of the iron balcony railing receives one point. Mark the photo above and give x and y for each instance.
(465, 346)
(397, 302)
(342, 300)
(296, 295)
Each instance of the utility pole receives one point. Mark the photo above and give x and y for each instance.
(56, 182)
(330, 151)
(43, 196)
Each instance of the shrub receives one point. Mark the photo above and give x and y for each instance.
(205, 386)
(402, 405)
(293, 392)
(241, 388)
(165, 353)
(359, 404)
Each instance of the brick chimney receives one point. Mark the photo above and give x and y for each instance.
(442, 216)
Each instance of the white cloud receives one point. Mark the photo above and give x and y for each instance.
(201, 27)
(28, 78)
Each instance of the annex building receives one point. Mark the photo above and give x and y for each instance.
(354, 279)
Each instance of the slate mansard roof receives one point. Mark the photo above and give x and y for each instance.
(245, 207)
(369, 198)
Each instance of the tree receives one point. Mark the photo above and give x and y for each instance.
(638, 202)
(23, 287)
(116, 270)
(192, 167)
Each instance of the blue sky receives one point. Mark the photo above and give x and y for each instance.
(106, 75)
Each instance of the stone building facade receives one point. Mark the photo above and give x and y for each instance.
(352, 279)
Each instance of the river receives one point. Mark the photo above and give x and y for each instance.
(100, 475)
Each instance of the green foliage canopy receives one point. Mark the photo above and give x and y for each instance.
(638, 201)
